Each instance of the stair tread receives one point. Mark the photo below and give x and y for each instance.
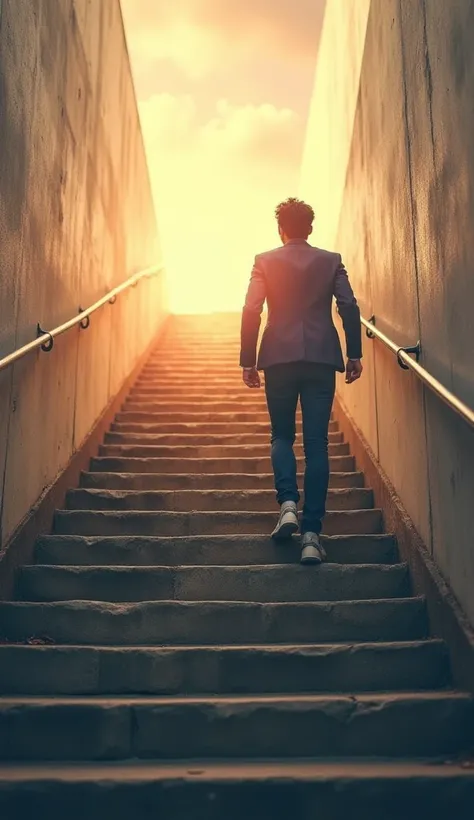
(122, 608)
(290, 699)
(177, 622)
(207, 481)
(227, 540)
(171, 670)
(203, 499)
(204, 450)
(235, 771)
(399, 567)
(233, 549)
(316, 648)
(269, 516)
(198, 465)
(253, 493)
(200, 522)
(211, 582)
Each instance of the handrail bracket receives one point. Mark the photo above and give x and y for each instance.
(368, 332)
(413, 349)
(85, 322)
(47, 346)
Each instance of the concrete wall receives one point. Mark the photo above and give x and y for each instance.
(76, 218)
(404, 227)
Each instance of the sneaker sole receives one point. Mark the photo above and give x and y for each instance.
(285, 532)
(311, 560)
(313, 556)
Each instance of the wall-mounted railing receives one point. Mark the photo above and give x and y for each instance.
(405, 360)
(45, 338)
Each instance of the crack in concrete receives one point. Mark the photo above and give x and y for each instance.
(429, 81)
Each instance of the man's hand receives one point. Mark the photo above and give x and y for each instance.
(251, 377)
(353, 370)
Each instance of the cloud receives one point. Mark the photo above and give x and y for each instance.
(263, 21)
(262, 134)
(216, 185)
(198, 35)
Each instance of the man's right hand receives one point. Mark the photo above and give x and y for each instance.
(353, 370)
(251, 377)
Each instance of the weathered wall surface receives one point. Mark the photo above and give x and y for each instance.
(405, 231)
(76, 218)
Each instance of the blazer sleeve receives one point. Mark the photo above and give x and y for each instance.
(348, 311)
(255, 299)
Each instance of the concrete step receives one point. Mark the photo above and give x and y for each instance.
(249, 398)
(204, 670)
(212, 342)
(206, 500)
(195, 340)
(187, 406)
(197, 416)
(99, 522)
(214, 337)
(227, 395)
(206, 451)
(226, 377)
(267, 584)
(207, 365)
(150, 392)
(216, 330)
(154, 623)
(233, 550)
(206, 360)
(176, 346)
(202, 481)
(225, 381)
(127, 464)
(148, 387)
(189, 354)
(203, 429)
(394, 790)
(92, 728)
(201, 440)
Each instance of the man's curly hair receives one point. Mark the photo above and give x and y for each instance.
(295, 218)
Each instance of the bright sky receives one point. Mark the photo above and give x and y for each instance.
(224, 88)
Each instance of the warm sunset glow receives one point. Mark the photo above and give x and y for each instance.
(223, 99)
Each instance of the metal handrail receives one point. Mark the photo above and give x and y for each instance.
(407, 363)
(82, 319)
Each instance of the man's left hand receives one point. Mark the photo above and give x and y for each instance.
(251, 377)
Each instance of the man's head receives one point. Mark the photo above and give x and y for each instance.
(295, 219)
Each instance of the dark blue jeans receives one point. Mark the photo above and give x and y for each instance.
(314, 385)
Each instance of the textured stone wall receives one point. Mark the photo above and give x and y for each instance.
(402, 218)
(76, 218)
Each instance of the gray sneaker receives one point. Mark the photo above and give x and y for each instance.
(312, 551)
(287, 522)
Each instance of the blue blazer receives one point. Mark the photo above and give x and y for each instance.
(299, 282)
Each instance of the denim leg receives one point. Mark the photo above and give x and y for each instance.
(281, 390)
(317, 395)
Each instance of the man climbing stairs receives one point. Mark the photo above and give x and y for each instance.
(164, 658)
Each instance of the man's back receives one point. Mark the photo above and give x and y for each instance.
(300, 353)
(299, 282)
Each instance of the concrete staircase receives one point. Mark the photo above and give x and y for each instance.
(184, 666)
